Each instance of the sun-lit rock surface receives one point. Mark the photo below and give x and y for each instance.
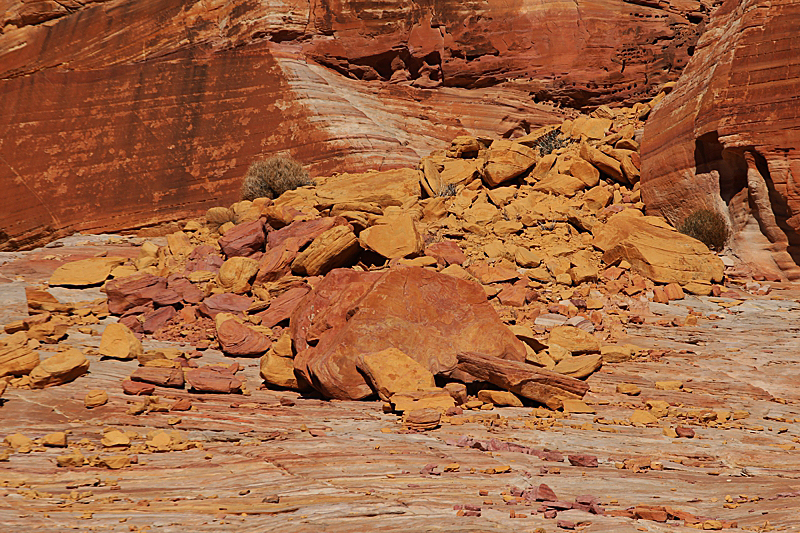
(728, 136)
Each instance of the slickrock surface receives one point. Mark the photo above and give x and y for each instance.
(123, 114)
(727, 137)
(278, 461)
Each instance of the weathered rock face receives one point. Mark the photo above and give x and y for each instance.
(158, 114)
(728, 137)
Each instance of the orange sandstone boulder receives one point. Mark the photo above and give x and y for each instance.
(656, 250)
(426, 315)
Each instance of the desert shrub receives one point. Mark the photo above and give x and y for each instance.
(706, 226)
(272, 177)
(550, 142)
(448, 189)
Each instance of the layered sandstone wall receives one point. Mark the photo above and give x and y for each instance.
(728, 137)
(121, 114)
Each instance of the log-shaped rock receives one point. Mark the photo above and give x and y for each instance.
(525, 380)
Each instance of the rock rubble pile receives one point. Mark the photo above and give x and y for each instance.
(511, 266)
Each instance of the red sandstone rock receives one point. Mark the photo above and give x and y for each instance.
(163, 377)
(137, 388)
(133, 291)
(184, 404)
(204, 258)
(648, 512)
(187, 290)
(282, 307)
(687, 433)
(426, 315)
(327, 306)
(275, 264)
(542, 493)
(303, 232)
(589, 461)
(514, 295)
(244, 239)
(727, 138)
(157, 319)
(446, 253)
(165, 297)
(130, 97)
(239, 340)
(207, 380)
(525, 380)
(224, 303)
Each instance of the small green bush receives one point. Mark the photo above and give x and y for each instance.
(552, 141)
(273, 177)
(706, 226)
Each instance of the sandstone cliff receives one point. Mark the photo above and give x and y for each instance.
(121, 114)
(728, 137)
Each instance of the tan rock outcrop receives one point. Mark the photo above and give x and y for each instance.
(391, 187)
(573, 339)
(277, 365)
(239, 340)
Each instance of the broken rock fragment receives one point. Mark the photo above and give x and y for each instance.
(391, 371)
(277, 365)
(656, 250)
(573, 339)
(133, 291)
(422, 419)
(163, 377)
(499, 398)
(526, 380)
(507, 160)
(244, 240)
(579, 366)
(236, 273)
(334, 248)
(60, 368)
(85, 272)
(393, 237)
(119, 342)
(137, 388)
(240, 340)
(438, 399)
(95, 398)
(18, 355)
